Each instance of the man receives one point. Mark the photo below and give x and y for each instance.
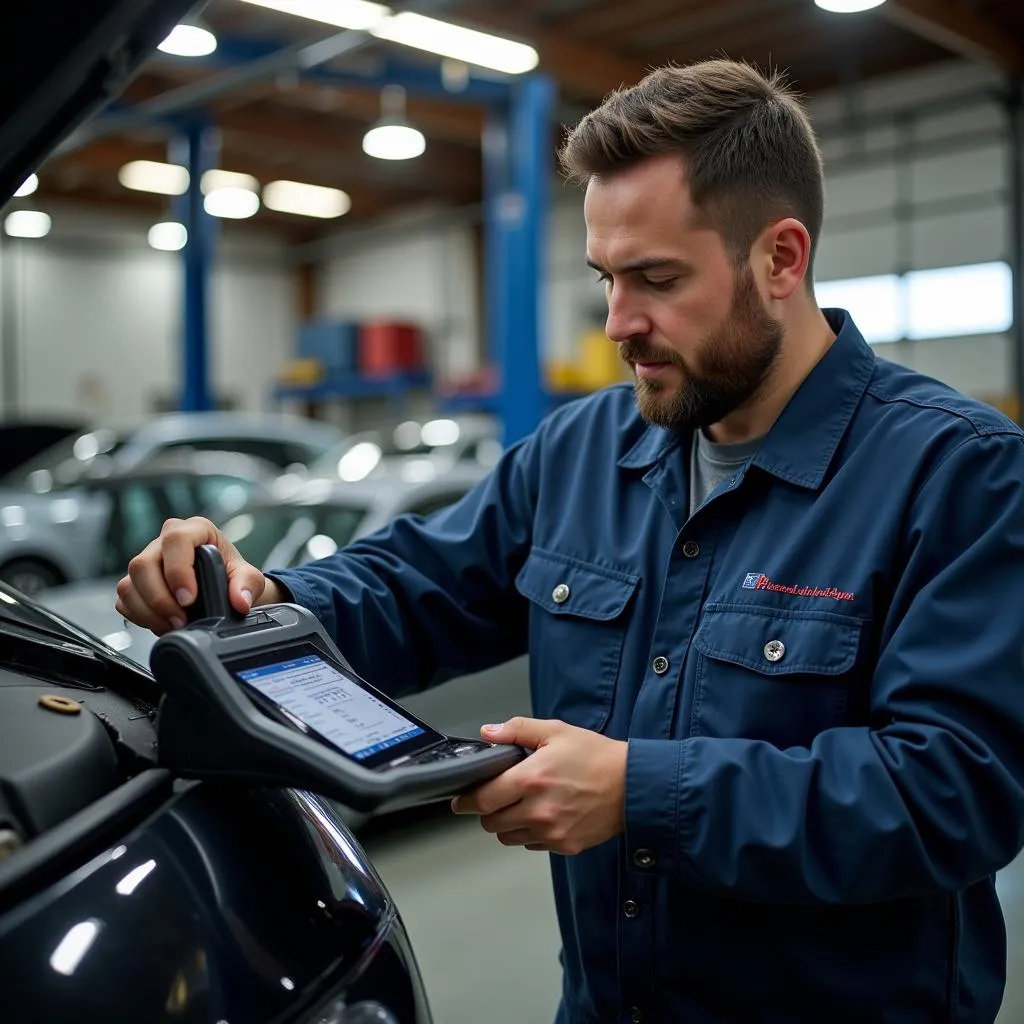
(772, 599)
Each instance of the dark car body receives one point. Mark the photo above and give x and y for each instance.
(127, 895)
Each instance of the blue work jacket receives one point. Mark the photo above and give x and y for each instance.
(820, 674)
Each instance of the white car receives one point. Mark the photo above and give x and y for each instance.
(320, 517)
(283, 441)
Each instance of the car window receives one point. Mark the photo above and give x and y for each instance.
(63, 463)
(138, 511)
(257, 531)
(336, 525)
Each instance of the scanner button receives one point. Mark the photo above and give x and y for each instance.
(560, 594)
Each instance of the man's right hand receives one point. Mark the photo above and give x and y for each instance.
(161, 580)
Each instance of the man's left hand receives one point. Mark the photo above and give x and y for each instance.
(565, 797)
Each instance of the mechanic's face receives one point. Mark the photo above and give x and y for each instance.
(693, 328)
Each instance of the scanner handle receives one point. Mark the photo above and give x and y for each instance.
(212, 580)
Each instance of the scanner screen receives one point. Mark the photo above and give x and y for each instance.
(325, 699)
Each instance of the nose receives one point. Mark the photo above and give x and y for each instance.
(626, 318)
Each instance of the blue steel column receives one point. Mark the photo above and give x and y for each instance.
(196, 148)
(520, 219)
(496, 183)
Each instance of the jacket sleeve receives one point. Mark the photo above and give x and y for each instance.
(930, 797)
(426, 599)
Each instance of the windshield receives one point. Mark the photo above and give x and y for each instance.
(286, 536)
(63, 463)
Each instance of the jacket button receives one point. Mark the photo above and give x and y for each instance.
(643, 859)
(660, 665)
(691, 549)
(774, 650)
(635, 1015)
(560, 594)
(631, 909)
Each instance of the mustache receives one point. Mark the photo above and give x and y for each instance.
(635, 352)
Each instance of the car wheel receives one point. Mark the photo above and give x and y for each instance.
(30, 576)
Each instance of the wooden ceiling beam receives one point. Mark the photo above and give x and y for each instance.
(959, 29)
(583, 69)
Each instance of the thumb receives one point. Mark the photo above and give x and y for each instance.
(245, 582)
(526, 732)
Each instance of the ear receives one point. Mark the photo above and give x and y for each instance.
(783, 253)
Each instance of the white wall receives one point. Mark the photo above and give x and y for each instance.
(96, 319)
(412, 269)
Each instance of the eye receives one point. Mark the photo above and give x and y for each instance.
(661, 285)
(603, 279)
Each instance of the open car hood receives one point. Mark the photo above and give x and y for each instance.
(66, 66)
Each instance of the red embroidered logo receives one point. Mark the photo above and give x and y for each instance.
(758, 581)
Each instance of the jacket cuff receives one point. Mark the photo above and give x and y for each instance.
(301, 593)
(653, 772)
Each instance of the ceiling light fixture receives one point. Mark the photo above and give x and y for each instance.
(392, 137)
(216, 179)
(848, 6)
(305, 200)
(416, 30)
(190, 38)
(232, 203)
(28, 186)
(458, 43)
(168, 236)
(152, 176)
(27, 224)
(359, 15)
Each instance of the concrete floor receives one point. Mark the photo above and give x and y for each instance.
(482, 920)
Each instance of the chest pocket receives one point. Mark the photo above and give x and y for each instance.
(777, 675)
(578, 620)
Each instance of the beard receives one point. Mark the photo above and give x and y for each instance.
(729, 369)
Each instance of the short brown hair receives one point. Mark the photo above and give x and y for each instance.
(749, 152)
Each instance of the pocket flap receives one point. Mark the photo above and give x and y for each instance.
(776, 641)
(567, 586)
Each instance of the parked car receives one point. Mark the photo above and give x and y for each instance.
(127, 894)
(415, 451)
(318, 519)
(94, 527)
(283, 441)
(23, 439)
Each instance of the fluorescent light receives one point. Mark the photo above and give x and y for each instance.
(232, 203)
(353, 14)
(69, 952)
(305, 200)
(27, 224)
(460, 43)
(168, 235)
(848, 6)
(394, 142)
(189, 41)
(954, 302)
(216, 178)
(134, 878)
(28, 186)
(152, 176)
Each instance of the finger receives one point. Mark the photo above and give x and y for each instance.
(145, 581)
(517, 837)
(506, 820)
(502, 791)
(245, 582)
(133, 608)
(538, 847)
(531, 733)
(179, 539)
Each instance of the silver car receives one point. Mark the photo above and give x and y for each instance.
(320, 517)
(94, 527)
(283, 441)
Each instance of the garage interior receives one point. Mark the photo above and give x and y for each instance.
(223, 238)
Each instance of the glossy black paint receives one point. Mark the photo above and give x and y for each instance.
(248, 906)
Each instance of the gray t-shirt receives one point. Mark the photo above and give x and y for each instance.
(711, 463)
